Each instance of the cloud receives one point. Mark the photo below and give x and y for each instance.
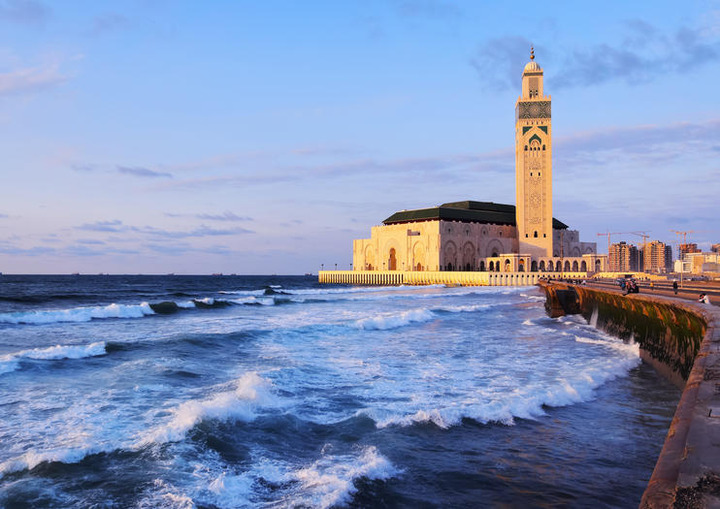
(143, 172)
(499, 62)
(643, 54)
(3, 216)
(30, 79)
(202, 231)
(225, 216)
(103, 226)
(23, 11)
(106, 23)
(432, 9)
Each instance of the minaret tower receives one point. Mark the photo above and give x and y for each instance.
(533, 164)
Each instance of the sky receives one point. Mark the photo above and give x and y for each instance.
(159, 136)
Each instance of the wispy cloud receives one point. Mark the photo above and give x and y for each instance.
(143, 172)
(117, 226)
(109, 22)
(225, 216)
(31, 79)
(499, 61)
(642, 54)
(23, 11)
(103, 226)
(427, 8)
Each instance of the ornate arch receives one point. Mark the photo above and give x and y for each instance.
(450, 255)
(418, 253)
(493, 247)
(369, 258)
(468, 256)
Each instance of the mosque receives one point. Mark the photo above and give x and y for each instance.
(485, 236)
(475, 236)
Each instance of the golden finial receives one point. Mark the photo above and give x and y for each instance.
(532, 53)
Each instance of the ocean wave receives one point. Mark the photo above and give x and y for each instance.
(252, 391)
(81, 314)
(393, 321)
(330, 481)
(387, 321)
(506, 405)
(32, 458)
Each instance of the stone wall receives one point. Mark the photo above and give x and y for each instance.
(683, 337)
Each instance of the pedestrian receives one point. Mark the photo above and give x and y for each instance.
(675, 287)
(704, 299)
(652, 286)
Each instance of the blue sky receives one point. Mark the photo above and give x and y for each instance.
(156, 136)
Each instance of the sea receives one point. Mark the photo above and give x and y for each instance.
(277, 392)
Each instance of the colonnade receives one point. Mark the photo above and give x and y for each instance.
(396, 278)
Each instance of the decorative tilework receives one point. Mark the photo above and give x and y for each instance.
(534, 109)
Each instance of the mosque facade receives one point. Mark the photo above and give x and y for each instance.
(486, 236)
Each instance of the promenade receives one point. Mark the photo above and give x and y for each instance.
(690, 290)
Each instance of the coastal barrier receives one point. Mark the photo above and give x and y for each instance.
(455, 278)
(681, 339)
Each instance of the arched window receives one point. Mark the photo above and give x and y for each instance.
(535, 234)
(533, 266)
(583, 266)
(575, 266)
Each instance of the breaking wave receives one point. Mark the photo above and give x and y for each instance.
(11, 362)
(252, 392)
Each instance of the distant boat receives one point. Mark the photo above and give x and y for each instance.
(75, 274)
(217, 274)
(308, 273)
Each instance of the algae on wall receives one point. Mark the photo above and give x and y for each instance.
(670, 333)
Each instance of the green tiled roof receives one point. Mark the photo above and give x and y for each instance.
(466, 212)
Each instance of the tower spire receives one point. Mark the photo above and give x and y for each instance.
(532, 53)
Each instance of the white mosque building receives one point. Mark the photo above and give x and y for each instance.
(476, 236)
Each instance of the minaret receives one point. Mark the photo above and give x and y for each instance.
(533, 164)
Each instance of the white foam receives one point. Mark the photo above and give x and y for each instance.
(10, 362)
(32, 458)
(392, 321)
(252, 391)
(186, 304)
(329, 481)
(82, 314)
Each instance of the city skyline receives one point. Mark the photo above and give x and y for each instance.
(155, 137)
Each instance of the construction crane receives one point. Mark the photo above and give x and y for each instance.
(608, 234)
(645, 236)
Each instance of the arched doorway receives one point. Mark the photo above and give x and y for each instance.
(598, 265)
(583, 266)
(558, 266)
(533, 266)
(542, 266)
(491, 267)
(521, 265)
(392, 261)
(507, 265)
(575, 266)
(567, 267)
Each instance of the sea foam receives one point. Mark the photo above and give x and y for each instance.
(10, 362)
(81, 314)
(251, 392)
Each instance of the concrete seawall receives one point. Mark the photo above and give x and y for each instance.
(682, 340)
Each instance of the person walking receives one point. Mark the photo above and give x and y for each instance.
(675, 287)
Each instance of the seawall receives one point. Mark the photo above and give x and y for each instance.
(460, 278)
(681, 339)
